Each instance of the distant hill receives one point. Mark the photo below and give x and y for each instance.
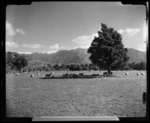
(70, 56)
(79, 56)
(62, 56)
(136, 55)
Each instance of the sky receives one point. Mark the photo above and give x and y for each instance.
(47, 27)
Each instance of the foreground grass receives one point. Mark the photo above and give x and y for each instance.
(120, 95)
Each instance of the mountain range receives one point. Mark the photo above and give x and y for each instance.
(79, 56)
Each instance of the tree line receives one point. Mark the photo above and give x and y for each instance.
(18, 62)
(84, 67)
(15, 61)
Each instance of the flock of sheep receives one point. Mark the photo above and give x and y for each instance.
(51, 74)
(138, 74)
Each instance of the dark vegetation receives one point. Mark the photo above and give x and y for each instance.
(107, 49)
(19, 62)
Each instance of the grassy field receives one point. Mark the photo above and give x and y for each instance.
(120, 95)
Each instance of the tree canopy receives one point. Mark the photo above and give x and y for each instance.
(16, 61)
(107, 49)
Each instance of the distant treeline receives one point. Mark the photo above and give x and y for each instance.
(19, 62)
(80, 67)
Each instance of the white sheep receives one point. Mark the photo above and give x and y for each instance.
(38, 74)
(126, 73)
(138, 74)
(17, 74)
(142, 73)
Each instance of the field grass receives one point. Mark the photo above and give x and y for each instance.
(120, 95)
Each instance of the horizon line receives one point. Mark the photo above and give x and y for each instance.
(20, 52)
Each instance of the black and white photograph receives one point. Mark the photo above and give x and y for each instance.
(76, 60)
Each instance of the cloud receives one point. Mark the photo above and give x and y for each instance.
(135, 43)
(10, 44)
(20, 31)
(20, 52)
(84, 41)
(129, 32)
(121, 31)
(33, 46)
(142, 47)
(10, 31)
(54, 48)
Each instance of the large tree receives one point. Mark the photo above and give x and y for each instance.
(20, 62)
(107, 49)
(16, 61)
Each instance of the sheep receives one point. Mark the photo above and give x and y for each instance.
(32, 75)
(48, 75)
(70, 75)
(126, 73)
(74, 75)
(17, 74)
(52, 73)
(38, 74)
(66, 75)
(105, 73)
(142, 74)
(138, 74)
(95, 74)
(81, 74)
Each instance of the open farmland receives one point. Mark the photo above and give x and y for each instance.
(119, 95)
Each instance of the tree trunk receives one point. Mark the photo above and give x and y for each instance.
(109, 69)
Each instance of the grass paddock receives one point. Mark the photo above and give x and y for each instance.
(32, 97)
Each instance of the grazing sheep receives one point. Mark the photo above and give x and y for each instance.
(81, 74)
(52, 73)
(138, 74)
(111, 72)
(38, 74)
(70, 75)
(32, 75)
(105, 73)
(48, 75)
(65, 75)
(142, 74)
(126, 73)
(74, 75)
(95, 74)
(17, 74)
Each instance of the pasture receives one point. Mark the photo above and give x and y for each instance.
(32, 96)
